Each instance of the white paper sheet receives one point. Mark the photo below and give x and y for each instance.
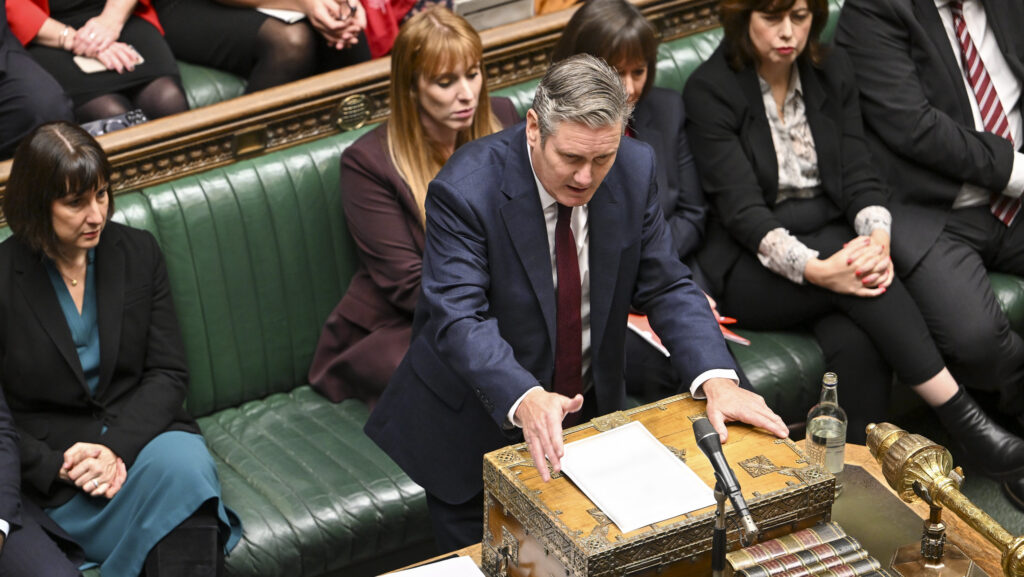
(286, 16)
(455, 567)
(633, 478)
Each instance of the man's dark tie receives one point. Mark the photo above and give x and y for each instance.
(569, 338)
(993, 115)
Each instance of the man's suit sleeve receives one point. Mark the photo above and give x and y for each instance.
(456, 279)
(897, 108)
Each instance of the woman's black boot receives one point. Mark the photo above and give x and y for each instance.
(994, 451)
(192, 549)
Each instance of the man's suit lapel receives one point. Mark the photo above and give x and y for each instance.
(928, 15)
(524, 223)
(1006, 27)
(36, 288)
(110, 281)
(605, 227)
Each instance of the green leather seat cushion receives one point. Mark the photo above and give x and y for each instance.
(314, 493)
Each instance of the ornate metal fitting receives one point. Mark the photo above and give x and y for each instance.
(610, 421)
(353, 112)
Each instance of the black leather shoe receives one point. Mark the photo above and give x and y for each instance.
(991, 449)
(1014, 491)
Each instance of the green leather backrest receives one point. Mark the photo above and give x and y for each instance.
(205, 86)
(258, 254)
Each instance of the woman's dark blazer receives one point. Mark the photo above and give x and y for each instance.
(659, 120)
(385, 222)
(143, 376)
(732, 142)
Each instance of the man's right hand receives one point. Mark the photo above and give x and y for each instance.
(540, 415)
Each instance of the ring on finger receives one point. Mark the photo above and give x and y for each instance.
(95, 484)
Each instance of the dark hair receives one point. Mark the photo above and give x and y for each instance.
(614, 30)
(735, 18)
(53, 161)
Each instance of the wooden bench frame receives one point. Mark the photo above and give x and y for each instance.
(255, 124)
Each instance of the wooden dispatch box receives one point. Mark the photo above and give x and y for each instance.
(537, 529)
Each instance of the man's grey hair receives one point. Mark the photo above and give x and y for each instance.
(581, 89)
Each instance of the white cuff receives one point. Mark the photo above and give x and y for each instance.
(1015, 187)
(784, 254)
(5, 528)
(871, 218)
(696, 388)
(510, 418)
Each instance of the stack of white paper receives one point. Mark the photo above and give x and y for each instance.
(633, 478)
(455, 567)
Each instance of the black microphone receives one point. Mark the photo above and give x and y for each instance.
(711, 446)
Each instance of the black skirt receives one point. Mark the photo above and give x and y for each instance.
(82, 87)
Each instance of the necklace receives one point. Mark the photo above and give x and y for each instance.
(73, 281)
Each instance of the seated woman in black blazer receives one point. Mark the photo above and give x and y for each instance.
(798, 233)
(94, 371)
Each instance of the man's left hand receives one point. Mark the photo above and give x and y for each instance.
(727, 401)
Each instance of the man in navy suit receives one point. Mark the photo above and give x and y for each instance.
(482, 370)
(28, 538)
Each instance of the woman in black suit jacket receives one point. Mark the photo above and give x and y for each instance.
(769, 98)
(94, 370)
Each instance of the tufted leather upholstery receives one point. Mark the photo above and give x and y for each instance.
(258, 254)
(205, 86)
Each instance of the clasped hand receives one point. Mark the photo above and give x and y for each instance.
(94, 469)
(96, 35)
(338, 21)
(863, 267)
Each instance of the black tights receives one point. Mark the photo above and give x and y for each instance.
(286, 52)
(161, 97)
(192, 549)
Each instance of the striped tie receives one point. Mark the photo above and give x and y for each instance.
(993, 116)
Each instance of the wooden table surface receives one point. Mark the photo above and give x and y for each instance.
(983, 553)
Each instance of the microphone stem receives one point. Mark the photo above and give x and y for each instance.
(718, 540)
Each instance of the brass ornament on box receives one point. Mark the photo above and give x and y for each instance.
(917, 468)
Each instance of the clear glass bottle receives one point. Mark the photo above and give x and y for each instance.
(826, 430)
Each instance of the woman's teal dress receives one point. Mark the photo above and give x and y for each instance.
(172, 477)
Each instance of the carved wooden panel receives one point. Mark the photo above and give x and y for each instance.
(284, 116)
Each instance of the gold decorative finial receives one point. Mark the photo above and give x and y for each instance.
(907, 459)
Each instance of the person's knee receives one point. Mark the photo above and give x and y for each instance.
(47, 106)
(978, 354)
